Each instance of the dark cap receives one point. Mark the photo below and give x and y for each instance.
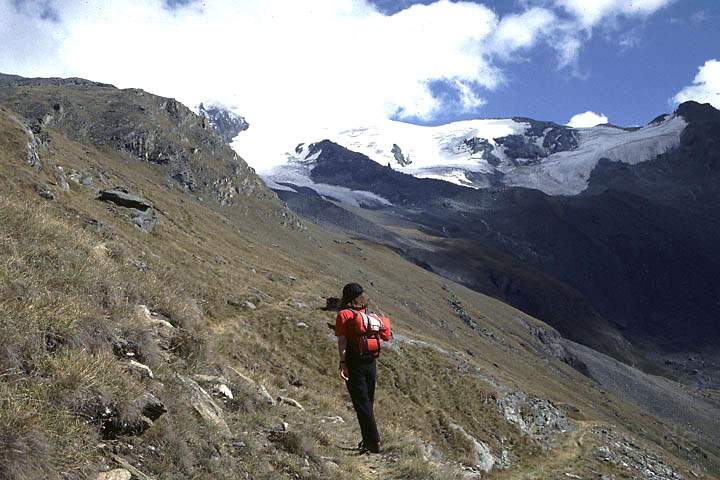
(350, 292)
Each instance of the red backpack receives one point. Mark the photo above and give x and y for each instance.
(370, 329)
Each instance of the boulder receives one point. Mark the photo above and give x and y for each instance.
(123, 198)
(152, 407)
(204, 404)
(141, 211)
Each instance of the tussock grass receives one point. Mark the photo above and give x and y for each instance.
(64, 299)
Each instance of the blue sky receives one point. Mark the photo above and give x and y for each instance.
(628, 71)
(294, 68)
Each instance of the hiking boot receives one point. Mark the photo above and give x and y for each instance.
(371, 448)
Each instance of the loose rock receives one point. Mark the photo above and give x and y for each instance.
(141, 368)
(46, 193)
(116, 474)
(290, 401)
(223, 390)
(204, 404)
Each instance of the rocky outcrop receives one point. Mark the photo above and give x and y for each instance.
(533, 416)
(622, 451)
(483, 457)
(225, 123)
(114, 422)
(402, 159)
(153, 129)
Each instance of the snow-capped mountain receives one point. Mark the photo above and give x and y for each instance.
(225, 122)
(604, 232)
(517, 152)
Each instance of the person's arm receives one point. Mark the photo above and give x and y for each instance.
(340, 332)
(386, 333)
(342, 348)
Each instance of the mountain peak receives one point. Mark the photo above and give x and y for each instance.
(225, 122)
(698, 112)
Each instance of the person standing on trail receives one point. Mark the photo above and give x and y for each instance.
(359, 333)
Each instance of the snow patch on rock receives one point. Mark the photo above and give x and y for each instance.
(296, 173)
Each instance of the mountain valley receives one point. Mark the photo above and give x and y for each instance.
(163, 309)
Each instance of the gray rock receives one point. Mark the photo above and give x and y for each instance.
(400, 158)
(46, 193)
(123, 198)
(335, 419)
(146, 221)
(224, 122)
(259, 388)
(201, 378)
(116, 474)
(204, 404)
(140, 368)
(152, 407)
(141, 211)
(484, 459)
(533, 416)
(290, 401)
(137, 474)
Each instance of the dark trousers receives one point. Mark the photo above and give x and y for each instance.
(361, 386)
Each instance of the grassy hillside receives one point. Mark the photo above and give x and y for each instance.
(119, 346)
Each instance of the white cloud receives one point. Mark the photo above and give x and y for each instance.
(290, 67)
(587, 119)
(522, 31)
(706, 86)
(591, 12)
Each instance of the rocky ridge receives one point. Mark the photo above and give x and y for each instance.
(226, 123)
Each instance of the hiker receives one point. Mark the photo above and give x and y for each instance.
(359, 333)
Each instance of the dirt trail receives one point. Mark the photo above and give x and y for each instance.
(559, 461)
